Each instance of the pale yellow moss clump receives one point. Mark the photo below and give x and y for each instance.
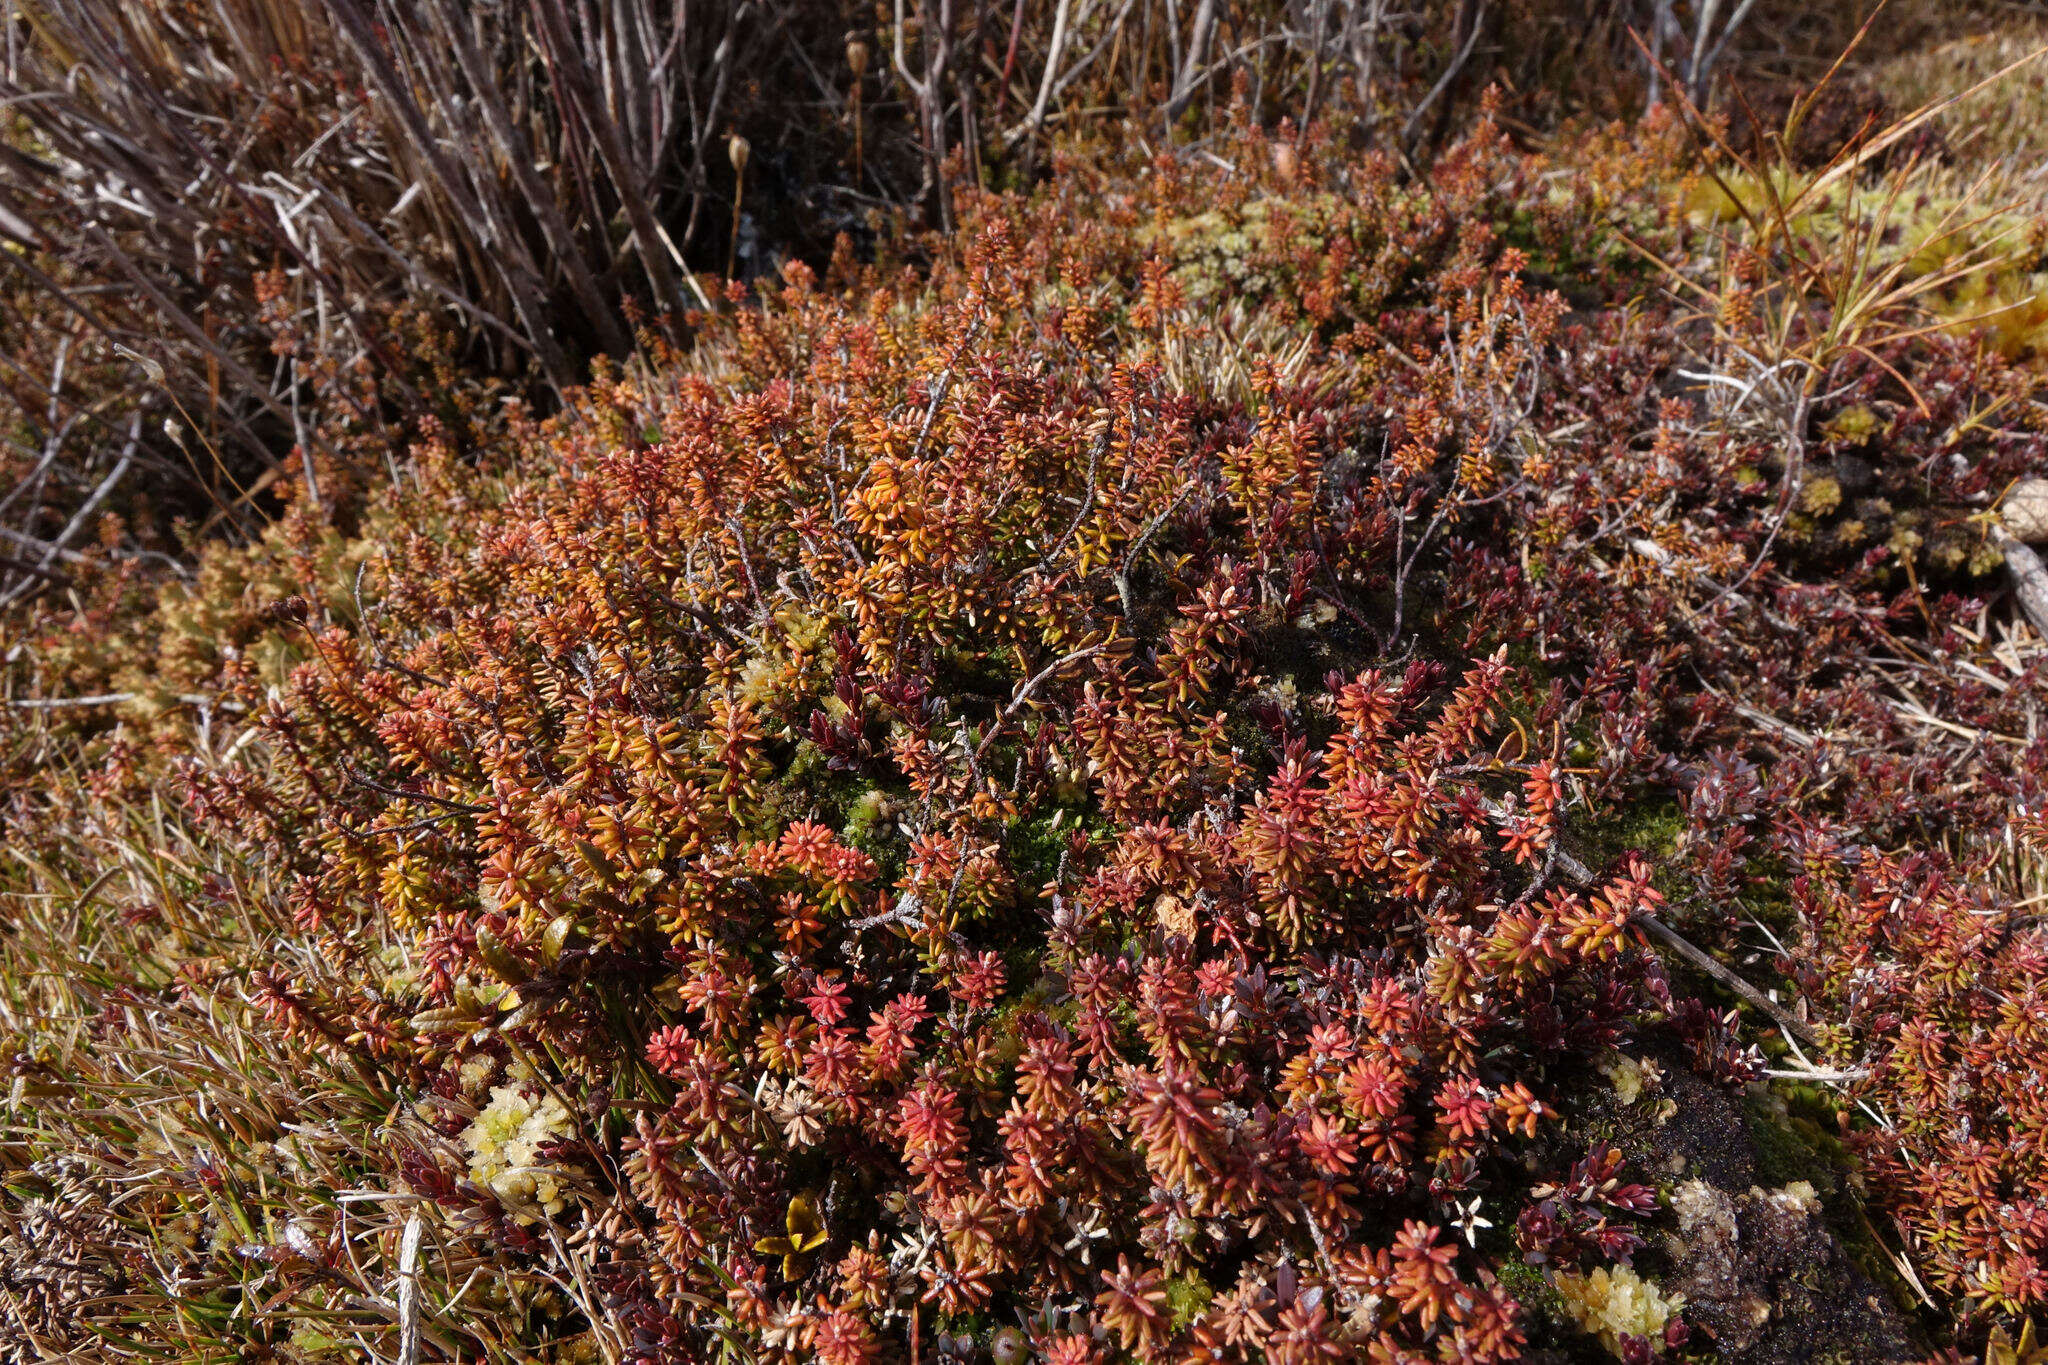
(504, 1147)
(1631, 1078)
(1625, 1074)
(1617, 1302)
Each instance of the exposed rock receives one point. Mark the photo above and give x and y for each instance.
(1753, 1249)
(2024, 510)
(1745, 1261)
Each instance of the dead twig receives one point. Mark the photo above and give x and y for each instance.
(1698, 957)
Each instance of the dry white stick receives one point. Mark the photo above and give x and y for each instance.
(2029, 578)
(1036, 119)
(409, 1292)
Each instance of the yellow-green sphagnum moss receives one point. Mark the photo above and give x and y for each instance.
(1615, 1302)
(504, 1149)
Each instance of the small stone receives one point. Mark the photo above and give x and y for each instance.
(2024, 511)
(1175, 916)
